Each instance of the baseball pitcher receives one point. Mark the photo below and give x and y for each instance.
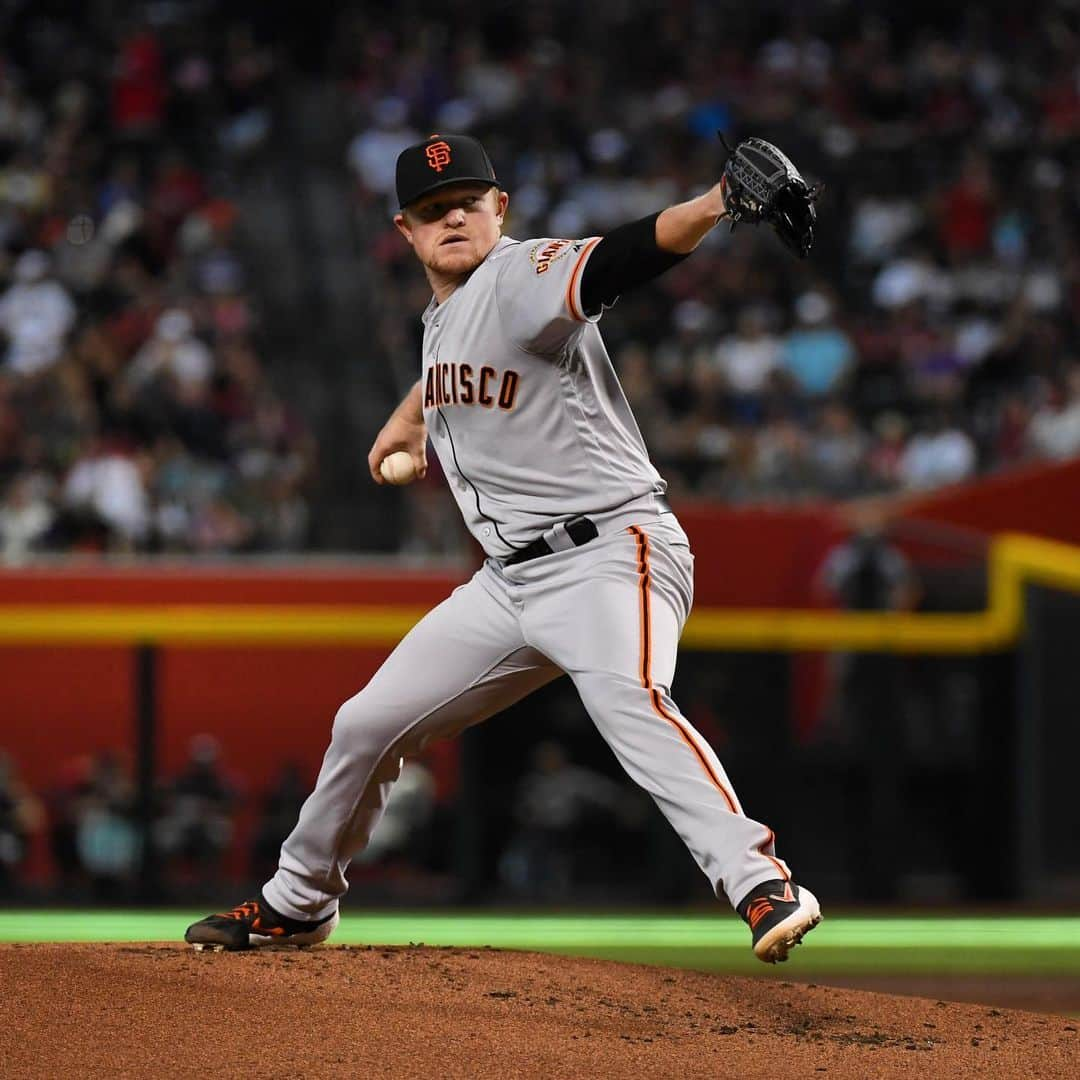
(588, 571)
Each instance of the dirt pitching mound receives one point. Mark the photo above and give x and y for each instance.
(165, 1010)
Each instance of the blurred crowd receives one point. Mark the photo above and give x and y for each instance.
(930, 336)
(135, 411)
(81, 836)
(207, 823)
(90, 820)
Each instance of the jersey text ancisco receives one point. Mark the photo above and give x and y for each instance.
(462, 384)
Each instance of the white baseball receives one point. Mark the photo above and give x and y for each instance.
(398, 468)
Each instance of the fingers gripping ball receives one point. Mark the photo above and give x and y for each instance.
(398, 468)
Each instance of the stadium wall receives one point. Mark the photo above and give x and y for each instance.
(67, 697)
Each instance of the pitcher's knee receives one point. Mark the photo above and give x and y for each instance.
(355, 728)
(361, 729)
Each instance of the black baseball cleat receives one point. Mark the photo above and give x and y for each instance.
(254, 923)
(779, 914)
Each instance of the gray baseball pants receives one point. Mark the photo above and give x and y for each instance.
(609, 614)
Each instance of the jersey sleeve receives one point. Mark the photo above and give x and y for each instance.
(538, 293)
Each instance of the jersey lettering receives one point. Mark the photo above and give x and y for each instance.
(548, 253)
(508, 389)
(465, 375)
(455, 384)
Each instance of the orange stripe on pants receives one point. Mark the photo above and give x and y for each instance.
(644, 588)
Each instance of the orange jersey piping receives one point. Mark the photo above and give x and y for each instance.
(571, 288)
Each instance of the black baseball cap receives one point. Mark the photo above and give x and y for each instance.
(440, 160)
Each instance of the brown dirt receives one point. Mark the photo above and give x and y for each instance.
(1036, 993)
(164, 1010)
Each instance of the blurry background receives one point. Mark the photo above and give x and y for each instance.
(207, 315)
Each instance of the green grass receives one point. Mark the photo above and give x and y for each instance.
(857, 944)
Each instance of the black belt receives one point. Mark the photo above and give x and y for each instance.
(580, 529)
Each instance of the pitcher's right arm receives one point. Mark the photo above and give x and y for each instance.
(405, 430)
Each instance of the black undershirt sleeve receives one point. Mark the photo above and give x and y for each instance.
(625, 258)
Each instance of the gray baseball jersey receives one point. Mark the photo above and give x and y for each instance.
(532, 428)
(522, 404)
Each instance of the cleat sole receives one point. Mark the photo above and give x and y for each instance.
(775, 946)
(779, 952)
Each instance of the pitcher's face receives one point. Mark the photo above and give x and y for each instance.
(453, 229)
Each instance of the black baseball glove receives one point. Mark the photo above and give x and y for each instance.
(761, 184)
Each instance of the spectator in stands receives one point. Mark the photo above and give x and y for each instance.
(25, 519)
(106, 488)
(21, 120)
(890, 431)
(62, 802)
(197, 827)
(21, 816)
(1055, 428)
(248, 75)
(560, 807)
(838, 452)
(92, 834)
(778, 461)
(401, 831)
(967, 209)
(817, 354)
(373, 152)
(36, 315)
(747, 362)
(867, 573)
(1010, 440)
(106, 838)
(175, 354)
(138, 85)
(881, 221)
(941, 453)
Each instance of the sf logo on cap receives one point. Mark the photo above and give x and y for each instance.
(438, 156)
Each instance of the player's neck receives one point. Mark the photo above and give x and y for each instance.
(443, 285)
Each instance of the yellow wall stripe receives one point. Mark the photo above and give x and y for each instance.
(1014, 562)
(207, 624)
